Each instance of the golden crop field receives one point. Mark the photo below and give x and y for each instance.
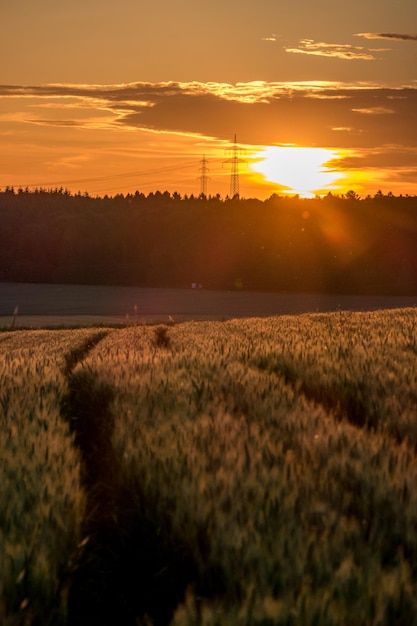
(248, 472)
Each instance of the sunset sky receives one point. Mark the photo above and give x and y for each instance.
(111, 96)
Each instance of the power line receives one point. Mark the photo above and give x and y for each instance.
(234, 171)
(203, 178)
(97, 179)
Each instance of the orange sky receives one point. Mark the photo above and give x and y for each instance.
(110, 97)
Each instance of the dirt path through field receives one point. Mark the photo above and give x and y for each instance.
(47, 305)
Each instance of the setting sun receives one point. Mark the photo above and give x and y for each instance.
(298, 170)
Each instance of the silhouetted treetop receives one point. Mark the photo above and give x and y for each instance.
(161, 239)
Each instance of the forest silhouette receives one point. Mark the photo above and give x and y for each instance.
(333, 244)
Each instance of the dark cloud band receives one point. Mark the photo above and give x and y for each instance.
(262, 113)
(396, 36)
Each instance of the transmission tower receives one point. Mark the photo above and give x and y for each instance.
(234, 160)
(203, 178)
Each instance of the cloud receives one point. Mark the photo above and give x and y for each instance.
(395, 36)
(261, 113)
(43, 122)
(374, 158)
(339, 51)
(140, 95)
(374, 110)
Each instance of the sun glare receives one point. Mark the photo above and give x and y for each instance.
(297, 170)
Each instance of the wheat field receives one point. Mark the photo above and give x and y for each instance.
(250, 472)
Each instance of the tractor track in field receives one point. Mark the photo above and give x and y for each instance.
(344, 403)
(350, 401)
(129, 565)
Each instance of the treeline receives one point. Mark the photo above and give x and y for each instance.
(335, 244)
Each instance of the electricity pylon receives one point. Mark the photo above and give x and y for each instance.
(234, 160)
(203, 178)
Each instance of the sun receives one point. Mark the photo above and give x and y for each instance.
(298, 170)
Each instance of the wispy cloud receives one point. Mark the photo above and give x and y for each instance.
(43, 122)
(374, 110)
(272, 37)
(395, 36)
(335, 50)
(140, 94)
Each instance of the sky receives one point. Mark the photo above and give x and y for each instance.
(107, 97)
